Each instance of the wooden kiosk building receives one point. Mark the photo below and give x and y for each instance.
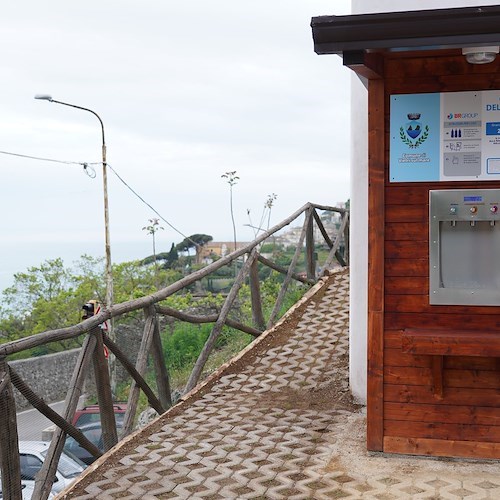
(434, 224)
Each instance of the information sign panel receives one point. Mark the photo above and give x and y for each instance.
(452, 136)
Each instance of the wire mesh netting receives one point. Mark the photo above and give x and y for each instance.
(70, 392)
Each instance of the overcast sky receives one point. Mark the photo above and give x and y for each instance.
(187, 91)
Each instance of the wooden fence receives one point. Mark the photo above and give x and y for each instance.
(92, 351)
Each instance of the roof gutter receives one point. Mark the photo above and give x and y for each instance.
(407, 30)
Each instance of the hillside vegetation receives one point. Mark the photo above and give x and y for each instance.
(51, 296)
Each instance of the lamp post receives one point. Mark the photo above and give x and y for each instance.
(109, 274)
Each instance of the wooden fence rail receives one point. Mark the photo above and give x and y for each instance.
(92, 351)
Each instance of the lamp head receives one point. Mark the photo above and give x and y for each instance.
(480, 55)
(44, 97)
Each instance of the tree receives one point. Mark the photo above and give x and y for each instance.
(44, 282)
(268, 205)
(172, 257)
(232, 179)
(271, 198)
(11, 327)
(152, 229)
(169, 258)
(51, 295)
(42, 298)
(196, 241)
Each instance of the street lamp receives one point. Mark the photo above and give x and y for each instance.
(109, 275)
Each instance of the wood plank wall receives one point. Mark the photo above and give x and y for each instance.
(466, 420)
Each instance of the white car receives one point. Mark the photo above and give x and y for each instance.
(27, 492)
(33, 453)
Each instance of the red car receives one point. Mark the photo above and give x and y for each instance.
(90, 414)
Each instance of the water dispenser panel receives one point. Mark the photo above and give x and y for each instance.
(464, 247)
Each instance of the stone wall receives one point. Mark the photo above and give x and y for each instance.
(48, 376)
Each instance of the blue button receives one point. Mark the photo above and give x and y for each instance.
(493, 128)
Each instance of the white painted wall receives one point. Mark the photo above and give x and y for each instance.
(359, 195)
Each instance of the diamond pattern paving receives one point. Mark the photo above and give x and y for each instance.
(280, 427)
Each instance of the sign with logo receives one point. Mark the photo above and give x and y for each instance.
(452, 136)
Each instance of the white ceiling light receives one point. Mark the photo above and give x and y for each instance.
(480, 55)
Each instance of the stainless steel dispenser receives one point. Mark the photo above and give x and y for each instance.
(464, 247)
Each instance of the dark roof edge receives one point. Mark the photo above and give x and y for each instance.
(407, 30)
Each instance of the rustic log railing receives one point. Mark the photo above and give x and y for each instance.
(92, 351)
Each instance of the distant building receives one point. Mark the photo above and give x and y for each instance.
(214, 250)
(331, 223)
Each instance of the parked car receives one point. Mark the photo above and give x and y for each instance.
(88, 421)
(31, 457)
(93, 432)
(91, 413)
(27, 491)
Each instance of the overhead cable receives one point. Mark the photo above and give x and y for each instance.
(89, 170)
(150, 206)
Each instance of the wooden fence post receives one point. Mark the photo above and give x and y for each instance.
(140, 366)
(347, 239)
(104, 396)
(286, 282)
(45, 477)
(257, 315)
(120, 356)
(322, 229)
(161, 372)
(334, 251)
(52, 415)
(310, 255)
(9, 445)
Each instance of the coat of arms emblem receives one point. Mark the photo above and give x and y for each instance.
(413, 134)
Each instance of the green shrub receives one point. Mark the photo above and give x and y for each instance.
(183, 346)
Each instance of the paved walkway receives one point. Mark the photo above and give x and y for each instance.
(279, 424)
